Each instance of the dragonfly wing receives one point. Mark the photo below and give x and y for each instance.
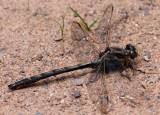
(112, 90)
(126, 93)
(117, 27)
(102, 31)
(123, 91)
(111, 28)
(97, 89)
(83, 49)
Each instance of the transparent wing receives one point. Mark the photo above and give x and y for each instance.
(97, 88)
(128, 89)
(113, 90)
(120, 93)
(111, 28)
(102, 31)
(98, 94)
(83, 49)
(117, 27)
(125, 93)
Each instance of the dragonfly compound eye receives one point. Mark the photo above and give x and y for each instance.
(132, 51)
(133, 54)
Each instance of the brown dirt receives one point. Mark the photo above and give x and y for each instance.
(29, 46)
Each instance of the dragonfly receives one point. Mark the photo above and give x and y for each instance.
(111, 59)
(104, 59)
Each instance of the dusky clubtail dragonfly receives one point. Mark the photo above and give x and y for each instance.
(110, 59)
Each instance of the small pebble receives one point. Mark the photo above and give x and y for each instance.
(77, 109)
(78, 82)
(62, 101)
(77, 94)
(123, 12)
(91, 13)
(39, 11)
(147, 56)
(38, 113)
(58, 39)
(129, 97)
(82, 112)
(2, 49)
(34, 13)
(37, 57)
(22, 71)
(148, 98)
(155, 44)
(19, 114)
(122, 98)
(83, 102)
(145, 10)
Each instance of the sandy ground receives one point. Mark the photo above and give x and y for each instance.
(30, 44)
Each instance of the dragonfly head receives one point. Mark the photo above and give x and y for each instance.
(131, 51)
